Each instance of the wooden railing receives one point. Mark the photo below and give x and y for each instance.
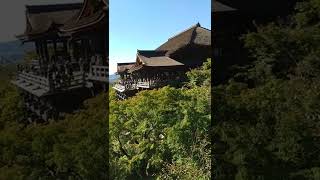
(124, 87)
(42, 82)
(98, 73)
(144, 84)
(151, 83)
(119, 87)
(76, 80)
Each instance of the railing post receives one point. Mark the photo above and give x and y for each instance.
(83, 78)
(51, 84)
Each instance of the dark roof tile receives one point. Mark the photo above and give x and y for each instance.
(43, 18)
(219, 7)
(123, 67)
(158, 61)
(194, 35)
(89, 15)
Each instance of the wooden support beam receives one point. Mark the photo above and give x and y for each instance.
(65, 47)
(41, 51)
(46, 52)
(55, 47)
(38, 53)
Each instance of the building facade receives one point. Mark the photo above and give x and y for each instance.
(165, 65)
(72, 57)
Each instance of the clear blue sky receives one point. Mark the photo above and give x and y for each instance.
(146, 24)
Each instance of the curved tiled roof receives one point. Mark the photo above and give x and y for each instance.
(83, 20)
(123, 67)
(135, 67)
(161, 56)
(194, 35)
(219, 7)
(159, 61)
(151, 53)
(43, 18)
(151, 58)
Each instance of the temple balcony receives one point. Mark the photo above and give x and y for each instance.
(123, 86)
(151, 84)
(34, 84)
(98, 73)
(40, 86)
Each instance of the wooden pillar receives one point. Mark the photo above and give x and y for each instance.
(82, 47)
(86, 49)
(41, 52)
(75, 50)
(46, 53)
(65, 47)
(55, 48)
(83, 53)
(38, 53)
(71, 49)
(37, 47)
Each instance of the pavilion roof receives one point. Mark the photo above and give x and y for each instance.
(217, 6)
(153, 59)
(268, 8)
(194, 35)
(161, 56)
(88, 16)
(156, 58)
(123, 67)
(42, 19)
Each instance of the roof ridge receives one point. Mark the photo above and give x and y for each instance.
(127, 63)
(224, 6)
(85, 3)
(36, 9)
(194, 26)
(140, 50)
(205, 28)
(52, 5)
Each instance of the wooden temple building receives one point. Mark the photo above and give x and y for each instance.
(71, 43)
(165, 65)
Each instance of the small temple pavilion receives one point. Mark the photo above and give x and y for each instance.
(71, 46)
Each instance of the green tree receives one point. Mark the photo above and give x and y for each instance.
(163, 133)
(270, 130)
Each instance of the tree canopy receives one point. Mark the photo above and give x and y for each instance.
(163, 133)
(266, 123)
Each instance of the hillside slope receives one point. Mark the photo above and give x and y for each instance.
(13, 51)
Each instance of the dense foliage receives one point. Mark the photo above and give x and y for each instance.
(74, 148)
(270, 129)
(163, 133)
(160, 134)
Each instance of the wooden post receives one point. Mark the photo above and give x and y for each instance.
(72, 50)
(38, 53)
(65, 47)
(46, 51)
(55, 48)
(84, 50)
(41, 51)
